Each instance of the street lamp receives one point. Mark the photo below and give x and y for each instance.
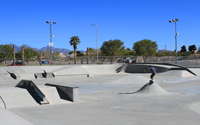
(51, 36)
(97, 40)
(175, 20)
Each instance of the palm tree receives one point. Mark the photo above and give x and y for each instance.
(74, 42)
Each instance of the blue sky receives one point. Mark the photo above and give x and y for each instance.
(24, 22)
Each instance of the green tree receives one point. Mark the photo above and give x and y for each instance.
(184, 53)
(192, 48)
(29, 53)
(145, 48)
(112, 47)
(56, 54)
(46, 54)
(74, 42)
(183, 48)
(6, 51)
(79, 53)
(93, 52)
(71, 52)
(127, 52)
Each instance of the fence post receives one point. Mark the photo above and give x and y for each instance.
(23, 55)
(13, 55)
(40, 58)
(87, 60)
(81, 60)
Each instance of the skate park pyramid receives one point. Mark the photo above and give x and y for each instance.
(152, 90)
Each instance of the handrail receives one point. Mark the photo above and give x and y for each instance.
(3, 102)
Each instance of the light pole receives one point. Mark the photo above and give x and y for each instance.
(175, 20)
(51, 36)
(97, 40)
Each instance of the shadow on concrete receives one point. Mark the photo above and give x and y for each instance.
(147, 84)
(120, 68)
(12, 75)
(33, 90)
(65, 92)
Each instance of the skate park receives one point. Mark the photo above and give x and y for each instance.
(99, 94)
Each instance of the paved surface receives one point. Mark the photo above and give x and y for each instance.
(106, 97)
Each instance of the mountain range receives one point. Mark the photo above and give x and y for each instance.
(62, 50)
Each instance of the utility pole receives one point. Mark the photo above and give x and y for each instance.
(13, 55)
(23, 55)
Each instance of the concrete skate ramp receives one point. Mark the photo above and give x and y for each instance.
(131, 79)
(74, 70)
(66, 92)
(41, 94)
(9, 118)
(139, 68)
(195, 70)
(15, 98)
(26, 76)
(195, 107)
(52, 95)
(24, 72)
(5, 75)
(24, 69)
(55, 68)
(104, 69)
(177, 73)
(152, 90)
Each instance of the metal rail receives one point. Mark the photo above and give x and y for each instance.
(3, 102)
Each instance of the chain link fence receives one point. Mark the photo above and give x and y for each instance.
(64, 61)
(187, 61)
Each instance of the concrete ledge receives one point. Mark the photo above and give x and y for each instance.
(44, 75)
(66, 92)
(50, 75)
(73, 75)
(39, 75)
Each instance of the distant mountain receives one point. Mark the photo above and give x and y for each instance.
(161, 51)
(62, 50)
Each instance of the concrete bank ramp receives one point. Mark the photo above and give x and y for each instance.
(55, 68)
(130, 79)
(4, 74)
(52, 95)
(9, 118)
(139, 68)
(24, 72)
(195, 70)
(195, 107)
(24, 69)
(6, 77)
(152, 90)
(15, 98)
(177, 73)
(72, 70)
(104, 69)
(27, 94)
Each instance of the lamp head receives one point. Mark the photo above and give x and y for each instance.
(47, 21)
(54, 22)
